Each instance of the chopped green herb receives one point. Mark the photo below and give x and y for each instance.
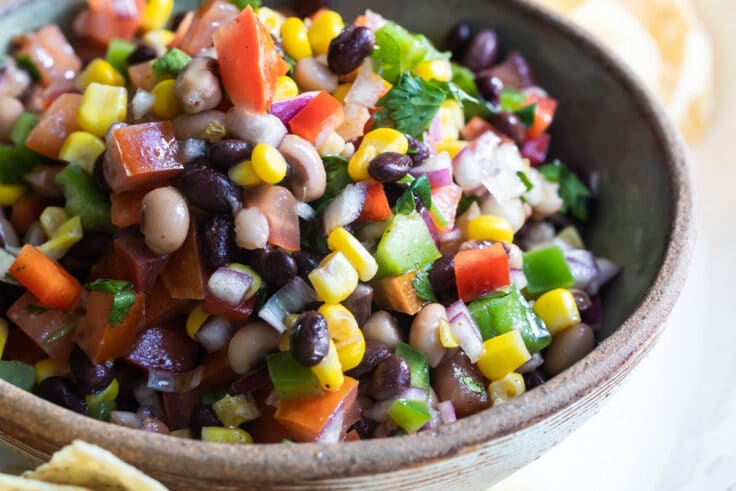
(397, 51)
(241, 4)
(526, 114)
(454, 92)
(123, 297)
(26, 122)
(511, 100)
(573, 192)
(286, 441)
(27, 63)
(410, 106)
(472, 385)
(173, 61)
(9, 277)
(16, 161)
(36, 309)
(215, 132)
(464, 80)
(466, 202)
(421, 189)
(423, 287)
(291, 62)
(62, 332)
(525, 179)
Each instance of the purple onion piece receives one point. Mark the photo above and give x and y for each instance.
(466, 331)
(289, 299)
(592, 316)
(447, 412)
(430, 227)
(126, 418)
(583, 267)
(534, 362)
(256, 379)
(214, 334)
(174, 382)
(229, 285)
(536, 150)
(287, 109)
(608, 271)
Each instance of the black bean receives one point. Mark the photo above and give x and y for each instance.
(310, 338)
(279, 268)
(393, 191)
(349, 49)
(227, 153)
(442, 279)
(364, 427)
(389, 167)
(457, 39)
(255, 259)
(203, 415)
(533, 379)
(209, 190)
(91, 377)
(375, 353)
(490, 87)
(142, 54)
(418, 151)
(217, 241)
(305, 262)
(98, 174)
(61, 391)
(514, 72)
(90, 247)
(305, 8)
(390, 378)
(510, 125)
(360, 303)
(482, 51)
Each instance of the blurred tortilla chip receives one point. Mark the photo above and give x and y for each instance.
(83, 464)
(15, 483)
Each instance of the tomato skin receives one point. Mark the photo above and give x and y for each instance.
(479, 272)
(249, 63)
(376, 207)
(58, 122)
(543, 115)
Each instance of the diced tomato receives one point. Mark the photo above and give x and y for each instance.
(474, 128)
(136, 263)
(397, 293)
(543, 115)
(110, 19)
(241, 313)
(46, 279)
(142, 75)
(279, 206)
(376, 207)
(209, 17)
(183, 276)
(25, 211)
(479, 272)
(141, 156)
(100, 340)
(58, 122)
(444, 206)
(161, 308)
(320, 117)
(125, 208)
(40, 325)
(249, 63)
(51, 54)
(181, 30)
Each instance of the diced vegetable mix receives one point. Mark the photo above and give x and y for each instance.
(263, 212)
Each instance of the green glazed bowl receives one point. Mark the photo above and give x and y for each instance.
(606, 124)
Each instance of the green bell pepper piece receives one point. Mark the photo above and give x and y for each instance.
(291, 380)
(26, 122)
(417, 365)
(405, 246)
(409, 415)
(546, 269)
(117, 55)
(15, 162)
(102, 410)
(84, 200)
(504, 311)
(20, 374)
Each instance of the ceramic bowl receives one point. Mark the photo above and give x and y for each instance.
(608, 125)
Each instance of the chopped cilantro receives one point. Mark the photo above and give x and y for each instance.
(464, 80)
(525, 179)
(410, 106)
(123, 297)
(286, 441)
(215, 132)
(423, 287)
(454, 92)
(511, 100)
(465, 203)
(397, 51)
(526, 114)
(173, 61)
(62, 332)
(472, 385)
(573, 192)
(37, 309)
(241, 4)
(421, 189)
(336, 168)
(27, 63)
(26, 122)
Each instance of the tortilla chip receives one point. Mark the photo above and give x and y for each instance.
(83, 464)
(15, 483)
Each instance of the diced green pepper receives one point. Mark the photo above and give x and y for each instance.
(15, 162)
(511, 100)
(405, 246)
(117, 55)
(505, 311)
(291, 380)
(102, 410)
(409, 415)
(26, 122)
(84, 200)
(20, 374)
(546, 269)
(417, 365)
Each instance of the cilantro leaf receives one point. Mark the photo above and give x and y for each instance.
(573, 192)
(421, 189)
(472, 385)
(62, 332)
(511, 100)
(410, 106)
(423, 286)
(241, 4)
(123, 297)
(464, 80)
(386, 55)
(173, 61)
(466, 202)
(454, 92)
(526, 114)
(397, 51)
(525, 179)
(27, 63)
(36, 309)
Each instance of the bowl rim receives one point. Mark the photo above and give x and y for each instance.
(612, 358)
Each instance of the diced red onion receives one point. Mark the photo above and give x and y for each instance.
(333, 429)
(518, 278)
(214, 334)
(287, 109)
(608, 270)
(142, 103)
(435, 129)
(193, 149)
(35, 235)
(466, 331)
(125, 418)
(536, 150)
(256, 379)
(346, 207)
(534, 362)
(229, 285)
(430, 226)
(438, 170)
(447, 412)
(174, 382)
(255, 128)
(289, 299)
(305, 211)
(583, 267)
(374, 21)
(592, 316)
(367, 88)
(7, 233)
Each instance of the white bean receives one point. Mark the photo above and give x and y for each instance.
(197, 86)
(424, 334)
(310, 74)
(165, 220)
(10, 110)
(381, 326)
(251, 229)
(251, 343)
(196, 125)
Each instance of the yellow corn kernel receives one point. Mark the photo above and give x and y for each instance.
(452, 120)
(109, 393)
(504, 354)
(323, 30)
(159, 39)
(165, 103)
(257, 280)
(51, 219)
(286, 88)
(334, 279)
(268, 163)
(63, 238)
(510, 386)
(183, 433)
(558, 310)
(101, 72)
(387, 140)
(358, 164)
(329, 371)
(272, 19)
(333, 145)
(490, 227)
(343, 241)
(48, 367)
(196, 318)
(217, 434)
(346, 334)
(3, 335)
(102, 105)
(341, 92)
(452, 147)
(295, 39)
(82, 148)
(155, 14)
(244, 174)
(10, 193)
(447, 337)
(434, 70)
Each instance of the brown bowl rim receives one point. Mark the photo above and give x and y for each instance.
(613, 358)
